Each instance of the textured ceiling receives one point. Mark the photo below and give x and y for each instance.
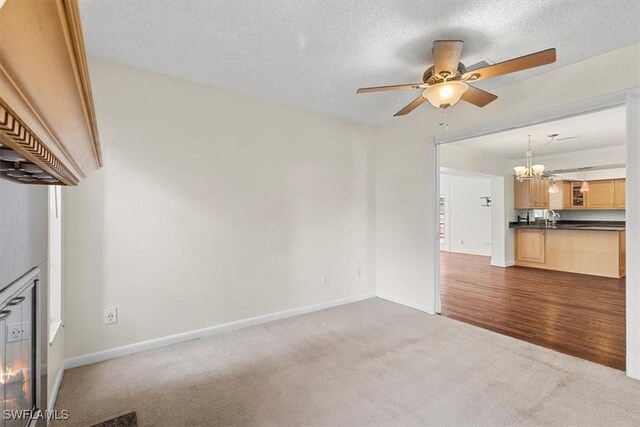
(597, 130)
(315, 54)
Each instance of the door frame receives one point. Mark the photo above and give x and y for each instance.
(447, 219)
(628, 98)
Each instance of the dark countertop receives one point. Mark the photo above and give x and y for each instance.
(574, 225)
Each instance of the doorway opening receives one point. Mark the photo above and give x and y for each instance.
(465, 212)
(554, 266)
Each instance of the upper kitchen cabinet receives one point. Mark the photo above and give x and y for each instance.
(601, 195)
(542, 193)
(531, 194)
(47, 121)
(578, 198)
(566, 195)
(619, 199)
(606, 194)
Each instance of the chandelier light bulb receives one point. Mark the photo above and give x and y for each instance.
(520, 171)
(537, 169)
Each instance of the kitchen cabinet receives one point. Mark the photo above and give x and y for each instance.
(530, 246)
(619, 201)
(577, 198)
(541, 199)
(521, 194)
(601, 195)
(605, 194)
(595, 252)
(531, 194)
(566, 194)
(48, 127)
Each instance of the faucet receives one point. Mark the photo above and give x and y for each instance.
(555, 216)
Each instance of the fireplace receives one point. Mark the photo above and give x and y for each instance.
(19, 358)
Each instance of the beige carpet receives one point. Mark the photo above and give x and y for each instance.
(369, 363)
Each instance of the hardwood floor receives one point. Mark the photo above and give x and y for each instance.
(576, 314)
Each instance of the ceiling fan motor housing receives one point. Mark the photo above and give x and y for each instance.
(430, 78)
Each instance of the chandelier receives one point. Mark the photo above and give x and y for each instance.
(529, 171)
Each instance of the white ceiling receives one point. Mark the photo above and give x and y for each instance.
(315, 54)
(596, 130)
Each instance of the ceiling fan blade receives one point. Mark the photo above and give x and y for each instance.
(412, 106)
(392, 87)
(511, 66)
(478, 97)
(446, 55)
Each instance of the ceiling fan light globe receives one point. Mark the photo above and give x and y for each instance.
(445, 94)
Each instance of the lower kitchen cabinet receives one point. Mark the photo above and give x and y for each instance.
(594, 252)
(530, 247)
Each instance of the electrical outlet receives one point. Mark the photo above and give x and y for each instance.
(359, 272)
(110, 315)
(323, 282)
(17, 332)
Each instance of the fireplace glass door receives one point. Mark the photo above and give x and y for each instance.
(17, 357)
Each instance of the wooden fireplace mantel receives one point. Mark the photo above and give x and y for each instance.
(46, 107)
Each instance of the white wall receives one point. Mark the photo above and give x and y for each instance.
(405, 261)
(212, 207)
(467, 223)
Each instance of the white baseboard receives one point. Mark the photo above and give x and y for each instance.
(403, 301)
(505, 264)
(470, 251)
(633, 366)
(51, 403)
(87, 359)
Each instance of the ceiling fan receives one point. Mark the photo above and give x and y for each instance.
(446, 82)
